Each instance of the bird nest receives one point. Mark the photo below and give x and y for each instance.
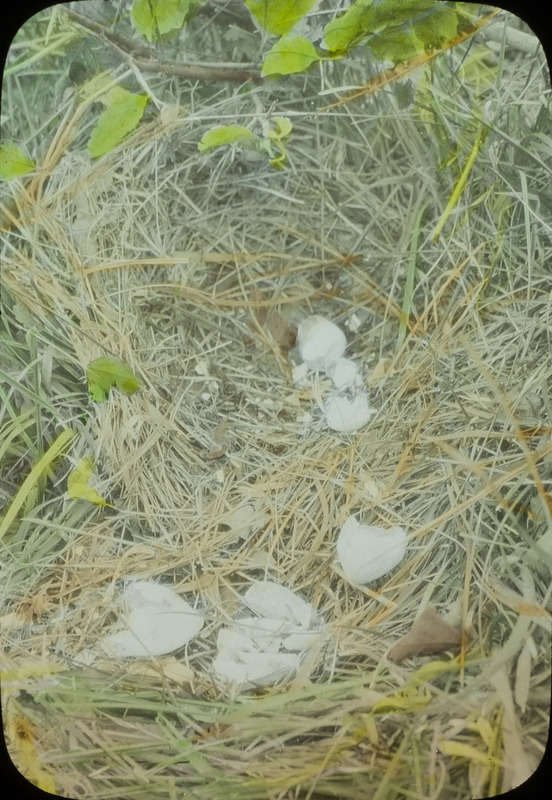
(196, 271)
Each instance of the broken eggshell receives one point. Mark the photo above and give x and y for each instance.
(320, 342)
(367, 552)
(344, 374)
(263, 649)
(243, 521)
(245, 670)
(271, 600)
(345, 415)
(157, 621)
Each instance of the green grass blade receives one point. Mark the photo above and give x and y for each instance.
(54, 451)
(410, 276)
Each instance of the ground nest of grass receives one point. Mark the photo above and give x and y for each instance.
(195, 270)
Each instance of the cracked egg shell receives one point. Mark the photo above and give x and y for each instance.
(158, 621)
(367, 552)
(320, 342)
(346, 416)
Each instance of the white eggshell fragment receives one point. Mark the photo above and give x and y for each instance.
(246, 670)
(268, 599)
(300, 642)
(299, 374)
(262, 649)
(367, 552)
(344, 374)
(320, 342)
(263, 634)
(157, 621)
(347, 415)
(244, 521)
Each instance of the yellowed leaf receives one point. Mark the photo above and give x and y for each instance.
(519, 764)
(15, 677)
(462, 750)
(170, 667)
(531, 610)
(484, 728)
(405, 701)
(22, 735)
(42, 467)
(77, 484)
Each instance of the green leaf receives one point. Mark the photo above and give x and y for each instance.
(123, 113)
(13, 162)
(224, 134)
(77, 484)
(288, 56)
(104, 373)
(344, 30)
(154, 19)
(279, 17)
(397, 31)
(273, 141)
(418, 26)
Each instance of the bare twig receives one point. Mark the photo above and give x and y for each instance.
(145, 58)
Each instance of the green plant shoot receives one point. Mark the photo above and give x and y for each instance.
(277, 138)
(273, 143)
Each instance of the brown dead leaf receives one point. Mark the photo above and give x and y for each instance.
(218, 436)
(283, 333)
(33, 607)
(531, 610)
(429, 634)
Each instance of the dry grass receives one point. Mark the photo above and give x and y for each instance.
(158, 255)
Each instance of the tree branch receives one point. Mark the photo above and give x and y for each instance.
(145, 58)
